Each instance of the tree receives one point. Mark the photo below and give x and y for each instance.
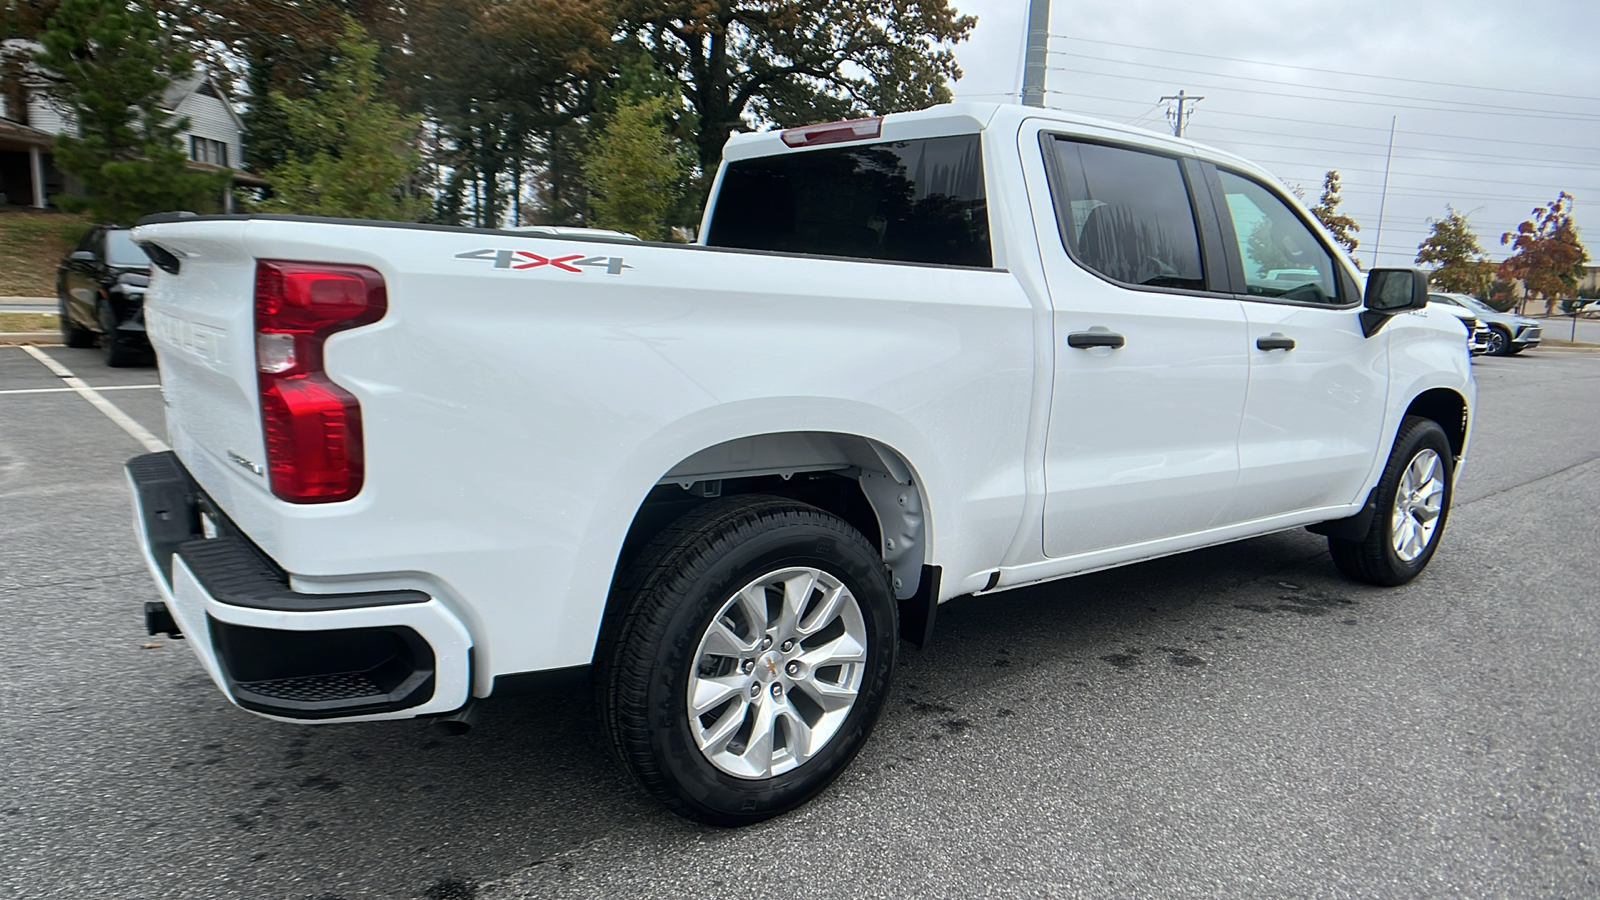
(634, 170)
(1342, 227)
(108, 64)
(363, 148)
(1451, 247)
(1548, 256)
(508, 83)
(800, 61)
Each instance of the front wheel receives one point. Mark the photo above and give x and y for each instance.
(71, 333)
(113, 347)
(1499, 342)
(1413, 503)
(752, 661)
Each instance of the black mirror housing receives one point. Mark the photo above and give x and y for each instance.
(1393, 291)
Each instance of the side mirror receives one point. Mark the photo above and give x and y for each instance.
(1396, 290)
(81, 256)
(1389, 292)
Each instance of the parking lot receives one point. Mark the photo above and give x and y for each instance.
(1232, 722)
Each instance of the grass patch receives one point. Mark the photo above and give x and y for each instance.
(22, 323)
(32, 244)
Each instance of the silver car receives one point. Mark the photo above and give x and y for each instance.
(1509, 333)
(1477, 332)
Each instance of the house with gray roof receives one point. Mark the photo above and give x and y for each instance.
(30, 118)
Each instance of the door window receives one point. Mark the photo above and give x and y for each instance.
(1282, 258)
(1126, 215)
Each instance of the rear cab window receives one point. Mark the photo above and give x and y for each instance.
(915, 201)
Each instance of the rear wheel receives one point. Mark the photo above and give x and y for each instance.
(1413, 503)
(752, 661)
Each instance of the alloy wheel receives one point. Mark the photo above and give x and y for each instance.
(777, 672)
(1417, 503)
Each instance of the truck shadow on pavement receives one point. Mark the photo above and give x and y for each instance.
(535, 779)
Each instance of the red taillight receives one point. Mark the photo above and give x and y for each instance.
(311, 425)
(834, 132)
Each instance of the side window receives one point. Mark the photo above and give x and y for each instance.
(1126, 215)
(1282, 258)
(909, 201)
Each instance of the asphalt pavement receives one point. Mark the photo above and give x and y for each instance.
(1232, 722)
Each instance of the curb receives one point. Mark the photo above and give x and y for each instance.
(30, 337)
(1564, 347)
(29, 301)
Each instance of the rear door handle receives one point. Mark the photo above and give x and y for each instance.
(1086, 339)
(1275, 341)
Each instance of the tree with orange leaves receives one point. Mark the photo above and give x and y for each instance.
(1548, 257)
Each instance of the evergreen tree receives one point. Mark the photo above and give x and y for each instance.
(634, 170)
(109, 65)
(362, 149)
(1342, 227)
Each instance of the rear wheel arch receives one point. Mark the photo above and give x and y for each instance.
(865, 482)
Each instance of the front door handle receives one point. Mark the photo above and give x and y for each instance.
(1275, 341)
(1083, 340)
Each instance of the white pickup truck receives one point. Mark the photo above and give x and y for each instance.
(915, 357)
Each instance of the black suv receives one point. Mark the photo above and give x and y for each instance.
(100, 287)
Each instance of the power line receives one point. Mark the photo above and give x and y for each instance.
(1453, 151)
(1214, 111)
(1520, 160)
(1191, 72)
(1258, 62)
(1292, 96)
(1281, 162)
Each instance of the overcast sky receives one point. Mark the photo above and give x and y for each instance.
(1497, 104)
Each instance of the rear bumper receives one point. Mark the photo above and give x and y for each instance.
(280, 652)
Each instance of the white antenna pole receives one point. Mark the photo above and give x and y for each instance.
(1383, 199)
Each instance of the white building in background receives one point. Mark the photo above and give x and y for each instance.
(30, 119)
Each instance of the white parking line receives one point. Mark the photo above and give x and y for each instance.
(103, 387)
(74, 383)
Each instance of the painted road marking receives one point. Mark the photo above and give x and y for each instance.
(74, 383)
(67, 390)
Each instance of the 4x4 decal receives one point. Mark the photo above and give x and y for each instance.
(523, 259)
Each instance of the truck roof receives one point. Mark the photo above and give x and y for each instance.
(967, 117)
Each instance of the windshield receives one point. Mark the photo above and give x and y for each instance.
(122, 251)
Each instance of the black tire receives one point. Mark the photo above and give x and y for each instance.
(71, 334)
(1499, 341)
(1374, 559)
(117, 353)
(684, 578)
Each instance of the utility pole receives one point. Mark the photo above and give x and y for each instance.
(1177, 120)
(1033, 57)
